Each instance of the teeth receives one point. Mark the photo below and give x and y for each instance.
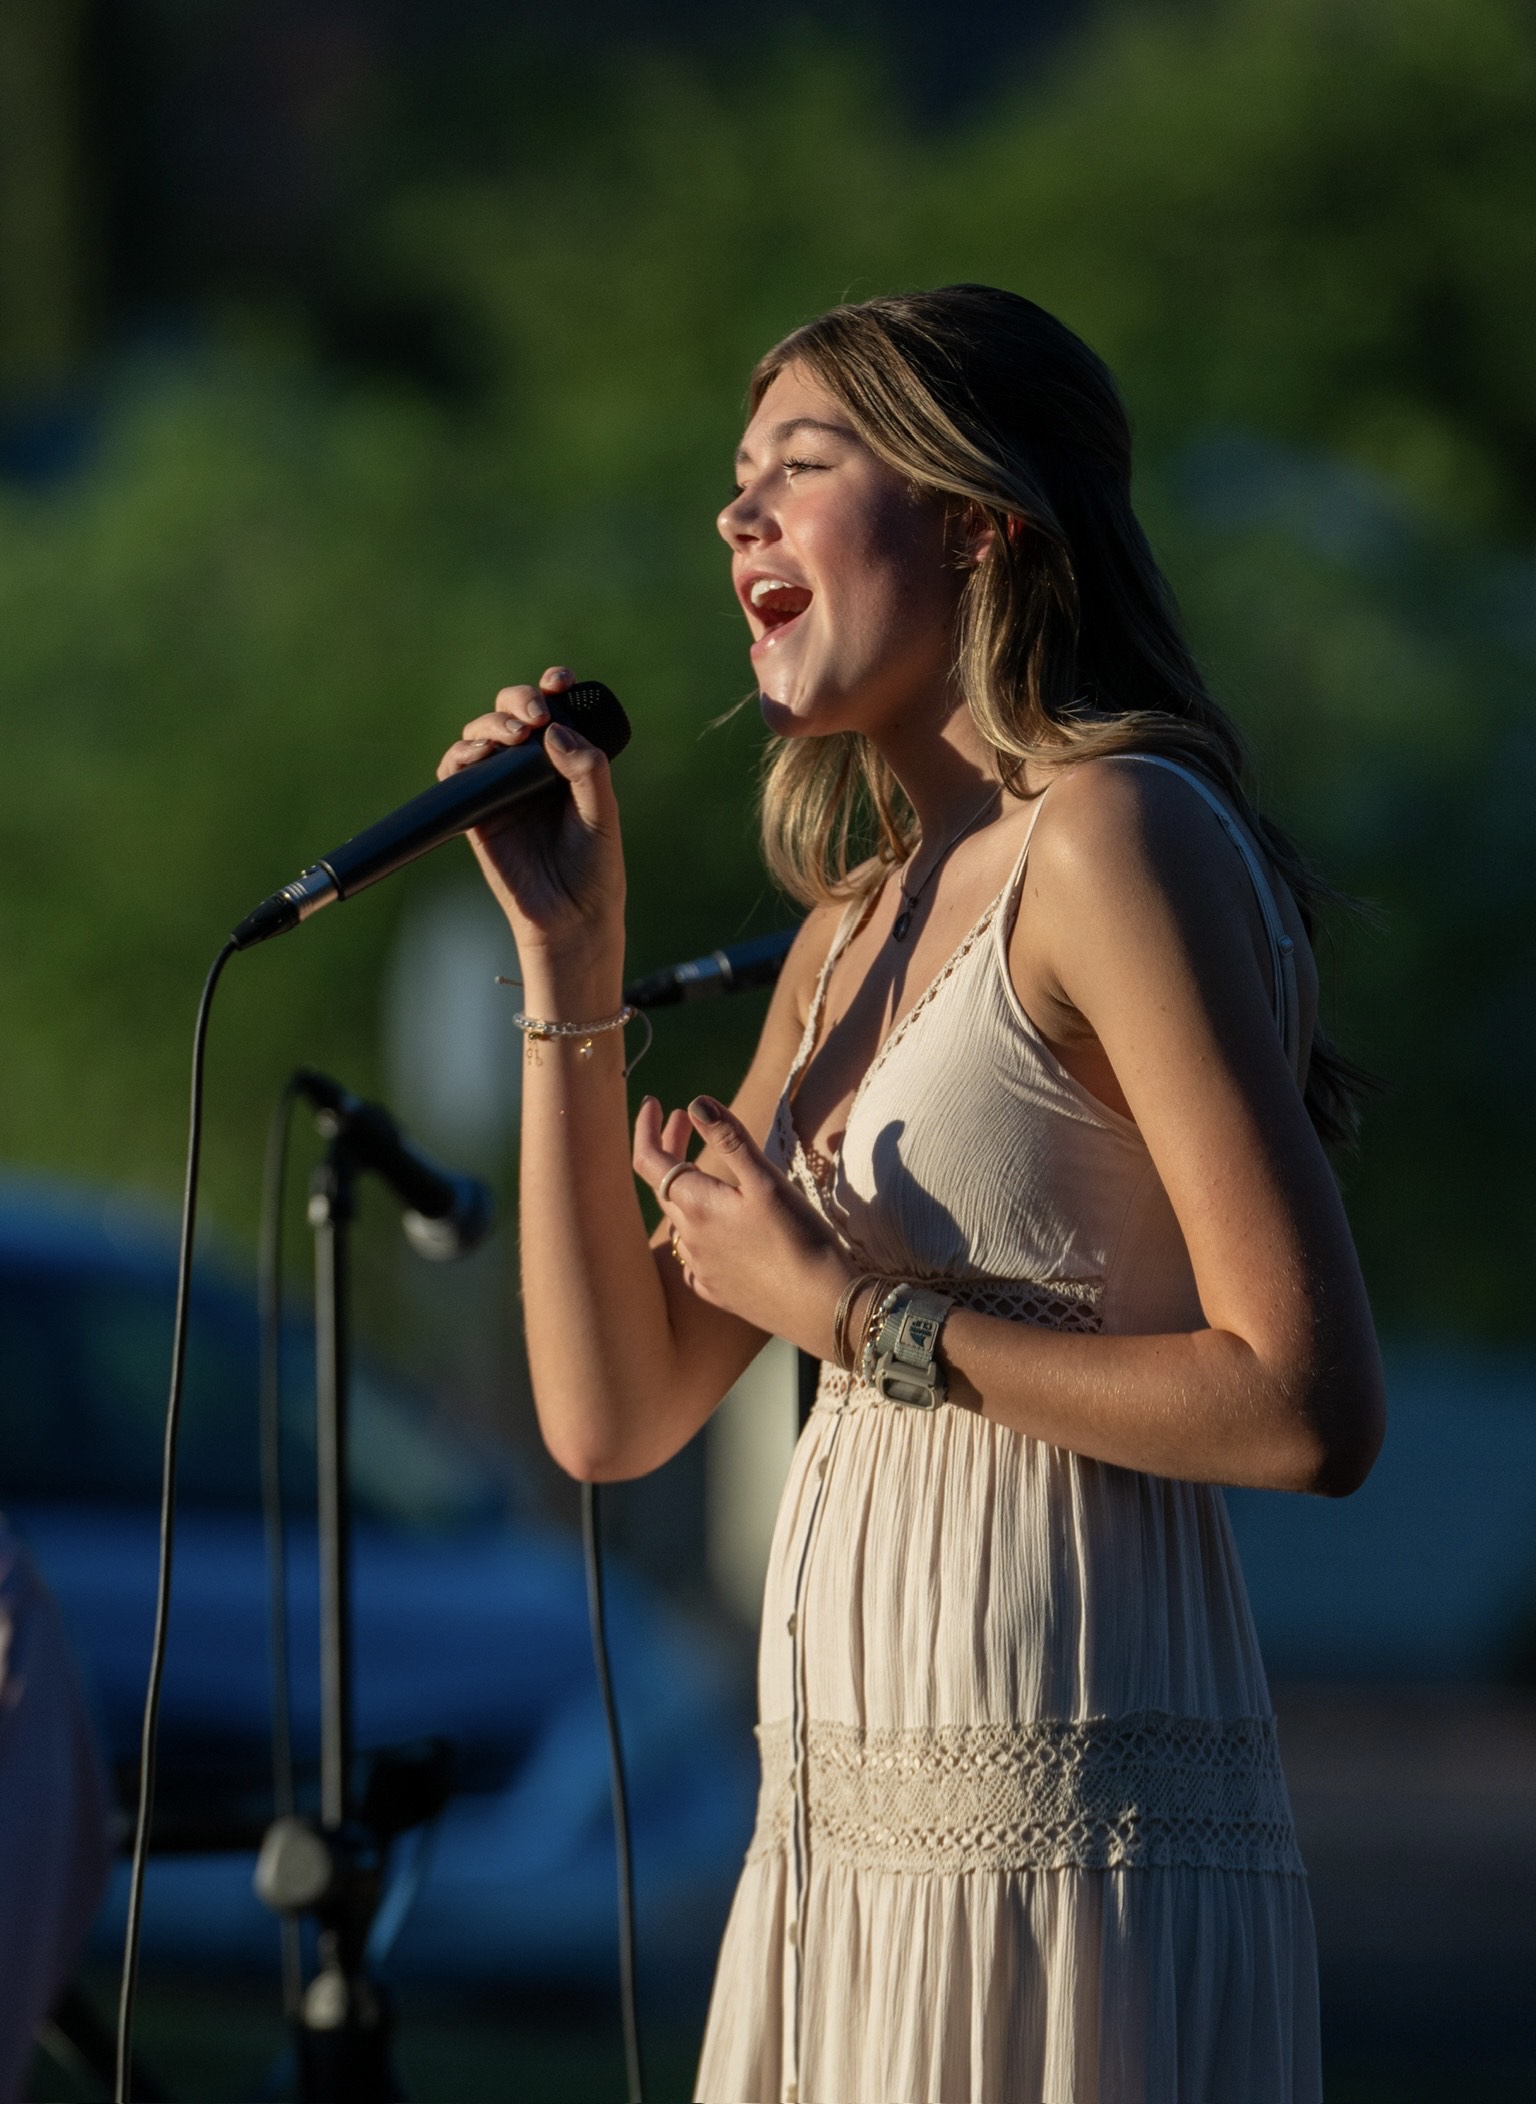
(765, 585)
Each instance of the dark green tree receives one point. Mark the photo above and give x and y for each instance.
(1301, 232)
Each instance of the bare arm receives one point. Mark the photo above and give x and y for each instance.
(1137, 919)
(626, 1362)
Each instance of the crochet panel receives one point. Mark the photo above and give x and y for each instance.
(1149, 1791)
(1059, 1305)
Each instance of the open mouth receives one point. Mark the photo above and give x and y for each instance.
(777, 603)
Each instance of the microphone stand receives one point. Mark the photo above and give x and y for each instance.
(333, 1870)
(344, 2017)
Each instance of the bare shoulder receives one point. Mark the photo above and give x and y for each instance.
(1127, 855)
(1115, 834)
(1109, 820)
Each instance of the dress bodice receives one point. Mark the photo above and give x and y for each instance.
(972, 1155)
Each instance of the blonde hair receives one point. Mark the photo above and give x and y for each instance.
(1068, 642)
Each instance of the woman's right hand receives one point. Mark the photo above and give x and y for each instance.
(555, 865)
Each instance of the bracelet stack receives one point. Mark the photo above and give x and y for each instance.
(901, 1350)
(897, 1349)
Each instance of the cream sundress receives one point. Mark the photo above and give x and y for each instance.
(1023, 1836)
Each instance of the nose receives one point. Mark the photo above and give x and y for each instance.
(744, 521)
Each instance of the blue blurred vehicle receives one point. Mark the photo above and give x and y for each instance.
(470, 1626)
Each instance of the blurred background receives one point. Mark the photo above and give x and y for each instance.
(360, 356)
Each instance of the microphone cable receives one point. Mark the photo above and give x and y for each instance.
(151, 1728)
(591, 1543)
(273, 1516)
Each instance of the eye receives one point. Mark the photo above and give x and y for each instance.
(795, 466)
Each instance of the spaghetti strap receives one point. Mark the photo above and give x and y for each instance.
(853, 916)
(1016, 874)
(1008, 897)
(1282, 950)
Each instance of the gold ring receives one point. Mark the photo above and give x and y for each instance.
(676, 1251)
(670, 1179)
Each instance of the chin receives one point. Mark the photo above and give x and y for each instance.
(780, 718)
(807, 716)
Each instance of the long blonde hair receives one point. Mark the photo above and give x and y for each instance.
(1068, 642)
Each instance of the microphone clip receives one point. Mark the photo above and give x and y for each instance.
(446, 1214)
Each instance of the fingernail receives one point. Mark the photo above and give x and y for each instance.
(560, 738)
(705, 1107)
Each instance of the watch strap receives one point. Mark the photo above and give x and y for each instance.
(905, 1351)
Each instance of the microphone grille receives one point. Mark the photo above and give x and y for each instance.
(595, 711)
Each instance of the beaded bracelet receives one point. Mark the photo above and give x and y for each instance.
(539, 1031)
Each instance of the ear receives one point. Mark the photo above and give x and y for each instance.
(976, 537)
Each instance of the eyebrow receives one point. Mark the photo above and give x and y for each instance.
(781, 432)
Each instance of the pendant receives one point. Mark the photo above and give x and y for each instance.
(903, 923)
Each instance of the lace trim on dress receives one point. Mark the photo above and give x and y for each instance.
(898, 1031)
(822, 1167)
(815, 1172)
(1147, 1791)
(1061, 1304)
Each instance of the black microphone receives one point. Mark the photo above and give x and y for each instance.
(438, 814)
(756, 962)
(446, 1215)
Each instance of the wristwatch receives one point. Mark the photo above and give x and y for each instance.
(904, 1353)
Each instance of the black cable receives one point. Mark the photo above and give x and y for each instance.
(592, 1547)
(147, 1745)
(274, 1526)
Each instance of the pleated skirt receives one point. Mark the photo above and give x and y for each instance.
(1040, 1987)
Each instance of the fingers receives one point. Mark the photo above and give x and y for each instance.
(523, 712)
(518, 714)
(530, 705)
(585, 768)
(652, 1157)
(677, 1135)
(723, 1130)
(661, 1158)
(660, 1145)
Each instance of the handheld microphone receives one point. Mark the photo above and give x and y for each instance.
(447, 1215)
(756, 962)
(438, 814)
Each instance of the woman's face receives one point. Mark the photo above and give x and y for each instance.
(849, 578)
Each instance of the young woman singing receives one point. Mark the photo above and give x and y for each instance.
(1031, 1157)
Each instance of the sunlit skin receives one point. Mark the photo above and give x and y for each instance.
(1137, 952)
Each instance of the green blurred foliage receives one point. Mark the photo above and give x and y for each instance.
(1300, 228)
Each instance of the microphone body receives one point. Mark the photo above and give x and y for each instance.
(437, 814)
(756, 962)
(447, 1215)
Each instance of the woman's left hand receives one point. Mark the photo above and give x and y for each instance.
(748, 1241)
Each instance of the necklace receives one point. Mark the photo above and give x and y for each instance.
(910, 900)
